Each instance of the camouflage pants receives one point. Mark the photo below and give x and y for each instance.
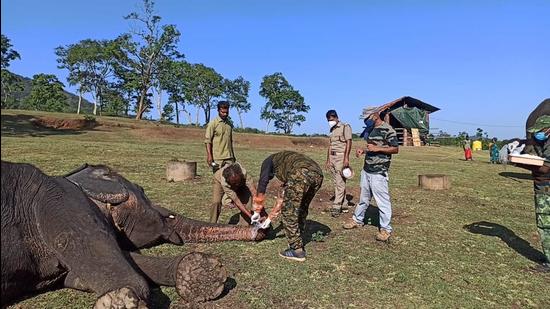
(542, 214)
(299, 192)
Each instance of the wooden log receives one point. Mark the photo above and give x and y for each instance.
(180, 170)
(434, 182)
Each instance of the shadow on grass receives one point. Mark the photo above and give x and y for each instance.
(349, 199)
(513, 241)
(516, 175)
(159, 299)
(312, 228)
(162, 301)
(372, 216)
(21, 126)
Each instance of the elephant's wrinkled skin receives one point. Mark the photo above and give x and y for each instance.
(79, 232)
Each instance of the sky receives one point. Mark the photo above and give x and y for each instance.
(483, 63)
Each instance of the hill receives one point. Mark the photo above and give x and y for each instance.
(86, 108)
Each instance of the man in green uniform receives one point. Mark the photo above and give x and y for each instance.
(337, 159)
(538, 143)
(219, 152)
(302, 178)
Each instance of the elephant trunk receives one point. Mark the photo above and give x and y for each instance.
(195, 231)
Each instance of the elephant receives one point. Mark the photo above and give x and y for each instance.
(84, 230)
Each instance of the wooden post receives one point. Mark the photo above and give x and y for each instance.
(434, 182)
(179, 171)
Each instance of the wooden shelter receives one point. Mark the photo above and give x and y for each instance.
(410, 118)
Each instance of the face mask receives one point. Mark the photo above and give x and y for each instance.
(332, 123)
(369, 126)
(541, 136)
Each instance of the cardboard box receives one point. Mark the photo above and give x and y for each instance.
(528, 160)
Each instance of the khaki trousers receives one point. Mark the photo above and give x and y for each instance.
(337, 164)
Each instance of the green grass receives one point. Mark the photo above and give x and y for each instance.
(432, 261)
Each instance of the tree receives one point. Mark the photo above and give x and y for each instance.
(167, 113)
(443, 134)
(9, 82)
(202, 85)
(10, 85)
(479, 133)
(236, 93)
(90, 64)
(175, 83)
(145, 48)
(284, 104)
(8, 53)
(113, 101)
(47, 94)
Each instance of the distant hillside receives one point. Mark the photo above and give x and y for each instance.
(87, 107)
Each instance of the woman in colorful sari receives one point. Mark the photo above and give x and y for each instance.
(493, 148)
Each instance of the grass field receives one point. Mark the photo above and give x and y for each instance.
(471, 246)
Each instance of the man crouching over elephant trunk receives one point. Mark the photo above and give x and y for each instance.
(302, 178)
(233, 188)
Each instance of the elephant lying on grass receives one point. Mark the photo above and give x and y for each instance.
(84, 230)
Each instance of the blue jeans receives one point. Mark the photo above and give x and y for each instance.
(374, 185)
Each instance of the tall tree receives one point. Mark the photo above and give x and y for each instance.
(174, 82)
(47, 94)
(113, 101)
(236, 93)
(202, 86)
(284, 105)
(90, 64)
(9, 82)
(145, 48)
(8, 53)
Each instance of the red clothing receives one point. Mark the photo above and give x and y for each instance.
(468, 154)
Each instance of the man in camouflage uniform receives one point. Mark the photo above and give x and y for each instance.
(302, 178)
(538, 143)
(381, 144)
(219, 152)
(337, 159)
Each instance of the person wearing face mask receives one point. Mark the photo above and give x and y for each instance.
(337, 159)
(382, 142)
(538, 144)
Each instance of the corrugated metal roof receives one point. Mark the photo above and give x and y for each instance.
(410, 102)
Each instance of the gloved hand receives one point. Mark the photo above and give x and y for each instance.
(255, 218)
(518, 149)
(265, 224)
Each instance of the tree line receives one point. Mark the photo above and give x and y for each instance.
(130, 74)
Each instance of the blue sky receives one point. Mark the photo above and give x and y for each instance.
(484, 63)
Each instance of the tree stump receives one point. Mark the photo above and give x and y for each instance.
(179, 171)
(434, 182)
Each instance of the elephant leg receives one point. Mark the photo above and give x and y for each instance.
(85, 244)
(197, 276)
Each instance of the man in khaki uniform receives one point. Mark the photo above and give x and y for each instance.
(337, 159)
(232, 189)
(219, 151)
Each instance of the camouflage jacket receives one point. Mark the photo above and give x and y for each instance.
(284, 165)
(379, 163)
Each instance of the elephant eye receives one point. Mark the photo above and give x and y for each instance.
(171, 217)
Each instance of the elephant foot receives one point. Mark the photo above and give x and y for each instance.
(200, 277)
(123, 298)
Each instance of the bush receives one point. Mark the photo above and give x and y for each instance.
(89, 118)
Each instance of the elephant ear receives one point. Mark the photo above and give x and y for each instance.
(99, 183)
